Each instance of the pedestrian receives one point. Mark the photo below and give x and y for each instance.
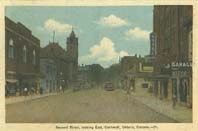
(174, 100)
(25, 91)
(60, 88)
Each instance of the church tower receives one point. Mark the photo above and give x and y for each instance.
(72, 47)
(72, 53)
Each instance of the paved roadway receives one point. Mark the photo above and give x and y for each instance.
(86, 106)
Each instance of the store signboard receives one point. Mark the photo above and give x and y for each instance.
(179, 65)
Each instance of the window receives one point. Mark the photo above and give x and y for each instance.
(47, 69)
(11, 49)
(24, 54)
(190, 46)
(34, 58)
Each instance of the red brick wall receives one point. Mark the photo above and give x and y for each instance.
(20, 40)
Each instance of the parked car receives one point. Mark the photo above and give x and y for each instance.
(76, 86)
(144, 85)
(108, 86)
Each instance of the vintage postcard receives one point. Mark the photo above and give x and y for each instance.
(98, 65)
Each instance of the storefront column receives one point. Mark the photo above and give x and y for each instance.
(178, 90)
(189, 93)
(155, 92)
(161, 89)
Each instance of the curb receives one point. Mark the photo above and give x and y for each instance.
(29, 98)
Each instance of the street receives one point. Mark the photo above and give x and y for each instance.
(84, 106)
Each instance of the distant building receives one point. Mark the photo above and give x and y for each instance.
(82, 76)
(95, 73)
(133, 71)
(22, 51)
(173, 27)
(131, 64)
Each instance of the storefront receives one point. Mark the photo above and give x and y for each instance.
(160, 86)
(182, 84)
(30, 81)
(11, 87)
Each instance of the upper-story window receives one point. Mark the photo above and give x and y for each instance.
(24, 54)
(190, 40)
(34, 57)
(47, 69)
(11, 49)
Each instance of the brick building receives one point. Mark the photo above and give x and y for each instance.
(173, 29)
(22, 57)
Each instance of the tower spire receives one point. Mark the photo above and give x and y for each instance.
(72, 34)
(53, 36)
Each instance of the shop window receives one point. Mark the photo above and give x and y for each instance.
(190, 46)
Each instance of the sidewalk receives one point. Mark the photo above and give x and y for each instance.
(180, 113)
(16, 99)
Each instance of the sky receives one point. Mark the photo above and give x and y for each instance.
(105, 33)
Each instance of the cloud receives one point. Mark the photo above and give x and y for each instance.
(112, 21)
(137, 33)
(53, 25)
(103, 53)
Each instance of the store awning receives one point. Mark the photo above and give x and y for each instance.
(12, 80)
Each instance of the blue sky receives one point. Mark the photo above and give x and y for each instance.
(104, 32)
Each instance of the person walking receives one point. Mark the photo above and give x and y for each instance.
(25, 94)
(60, 88)
(25, 91)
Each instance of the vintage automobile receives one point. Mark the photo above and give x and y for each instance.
(108, 86)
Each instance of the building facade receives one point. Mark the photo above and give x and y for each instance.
(63, 62)
(49, 72)
(22, 58)
(173, 28)
(130, 66)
